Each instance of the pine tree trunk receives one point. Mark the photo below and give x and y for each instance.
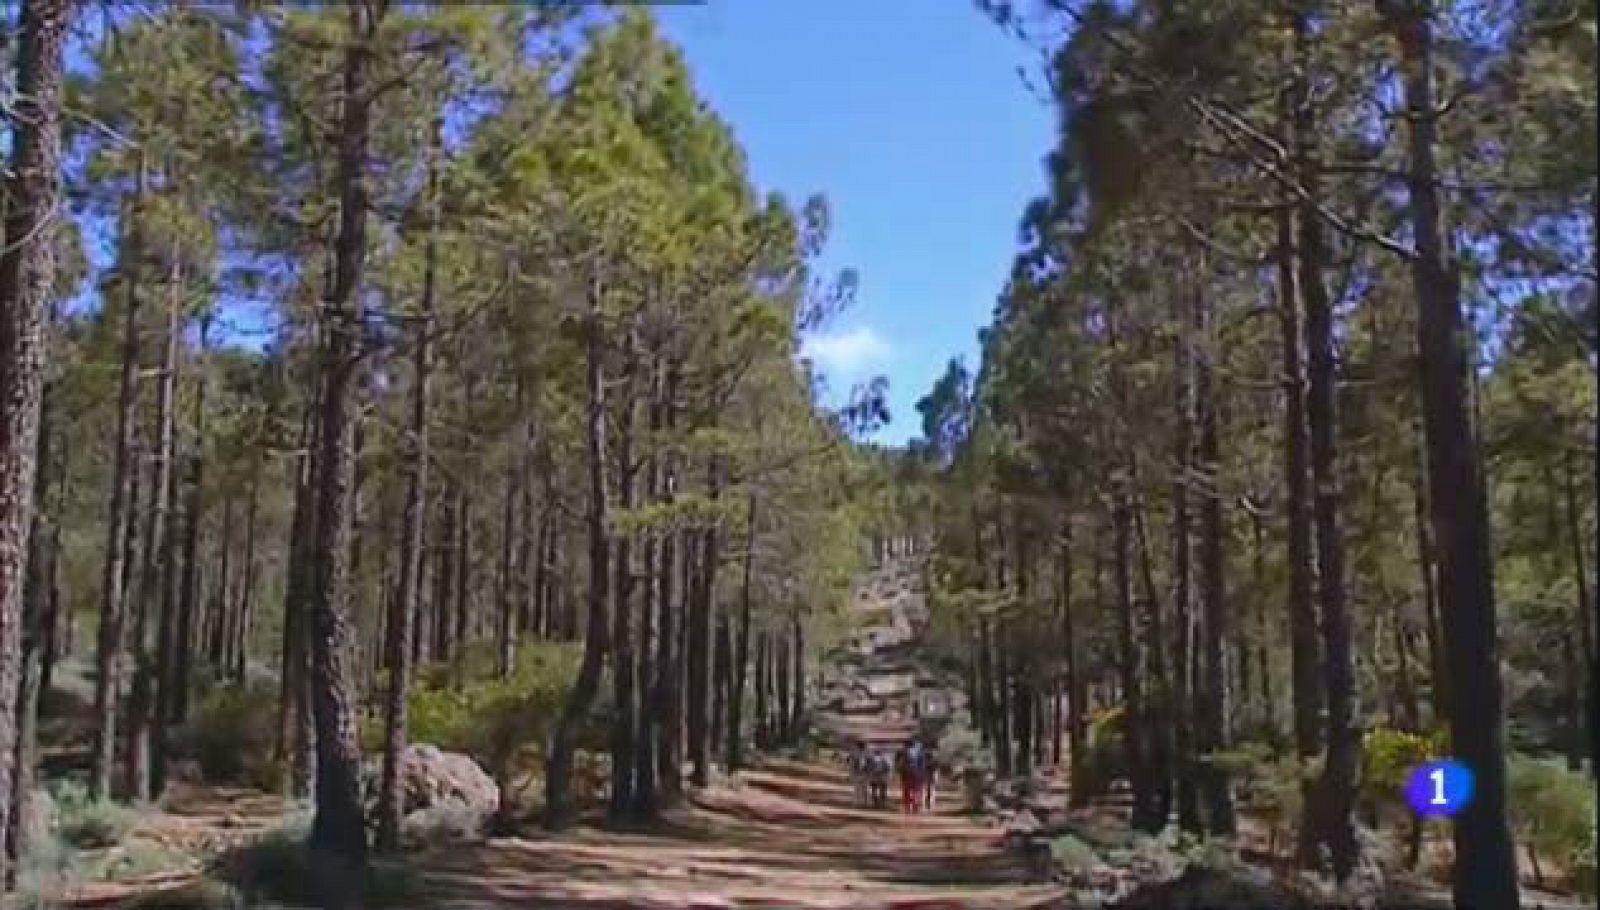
(1213, 705)
(741, 646)
(669, 656)
(780, 679)
(558, 767)
(624, 687)
(798, 715)
(699, 642)
(339, 826)
(1330, 814)
(1158, 711)
(154, 591)
(721, 657)
(1581, 577)
(1485, 862)
(1128, 667)
(398, 646)
(647, 728)
(444, 578)
(1074, 682)
(506, 599)
(762, 712)
(27, 275)
(189, 589)
(1005, 713)
(1427, 565)
(462, 524)
(1186, 702)
(57, 640)
(1305, 651)
(239, 648)
(297, 584)
(219, 628)
(125, 468)
(1022, 687)
(40, 571)
(167, 632)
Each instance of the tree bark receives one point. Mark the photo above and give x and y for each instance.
(647, 731)
(1214, 704)
(1158, 710)
(506, 599)
(721, 658)
(404, 607)
(113, 589)
(1305, 651)
(219, 627)
(339, 826)
(1485, 862)
(290, 747)
(27, 274)
(558, 768)
(741, 645)
(1128, 668)
(624, 687)
(1074, 682)
(154, 590)
(1581, 576)
(43, 549)
(239, 647)
(762, 712)
(798, 713)
(189, 588)
(1188, 709)
(699, 637)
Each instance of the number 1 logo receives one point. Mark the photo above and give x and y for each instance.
(1439, 789)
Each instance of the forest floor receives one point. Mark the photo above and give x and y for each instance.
(786, 833)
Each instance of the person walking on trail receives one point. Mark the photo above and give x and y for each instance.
(910, 785)
(878, 778)
(928, 773)
(859, 763)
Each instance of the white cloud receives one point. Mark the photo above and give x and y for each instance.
(847, 354)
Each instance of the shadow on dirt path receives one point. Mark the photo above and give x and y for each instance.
(784, 834)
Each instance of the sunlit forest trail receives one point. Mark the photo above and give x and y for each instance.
(786, 833)
(425, 481)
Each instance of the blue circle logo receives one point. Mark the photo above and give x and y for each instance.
(1439, 789)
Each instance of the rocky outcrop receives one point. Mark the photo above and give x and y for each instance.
(436, 785)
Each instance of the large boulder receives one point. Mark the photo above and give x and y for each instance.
(435, 784)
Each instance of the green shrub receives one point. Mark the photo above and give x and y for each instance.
(232, 734)
(89, 824)
(491, 718)
(1552, 811)
(1388, 755)
(1583, 870)
(1073, 857)
(48, 861)
(1106, 751)
(281, 867)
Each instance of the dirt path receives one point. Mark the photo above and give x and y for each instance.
(786, 834)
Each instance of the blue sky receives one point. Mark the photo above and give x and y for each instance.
(909, 115)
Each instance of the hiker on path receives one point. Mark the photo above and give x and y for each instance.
(910, 784)
(929, 773)
(859, 763)
(878, 778)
